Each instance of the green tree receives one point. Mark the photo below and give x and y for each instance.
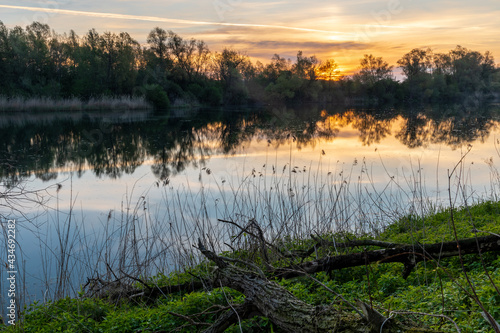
(374, 69)
(201, 60)
(38, 36)
(228, 67)
(275, 68)
(417, 66)
(157, 41)
(89, 69)
(471, 70)
(17, 51)
(61, 50)
(495, 81)
(5, 53)
(305, 67)
(107, 44)
(442, 64)
(125, 67)
(416, 63)
(285, 88)
(40, 68)
(182, 53)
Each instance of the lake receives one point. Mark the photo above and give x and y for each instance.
(96, 195)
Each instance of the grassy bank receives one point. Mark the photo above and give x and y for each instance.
(436, 294)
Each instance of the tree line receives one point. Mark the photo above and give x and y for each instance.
(38, 62)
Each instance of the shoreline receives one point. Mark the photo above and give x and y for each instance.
(44, 104)
(165, 302)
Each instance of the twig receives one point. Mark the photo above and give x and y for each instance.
(136, 279)
(253, 235)
(486, 232)
(430, 315)
(190, 320)
(232, 308)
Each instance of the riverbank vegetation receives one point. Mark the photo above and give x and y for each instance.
(74, 104)
(438, 295)
(39, 64)
(342, 254)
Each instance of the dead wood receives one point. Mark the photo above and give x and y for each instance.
(282, 308)
(408, 255)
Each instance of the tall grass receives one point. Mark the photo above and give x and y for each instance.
(38, 104)
(117, 103)
(287, 202)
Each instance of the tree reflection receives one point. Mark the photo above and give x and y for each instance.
(171, 144)
(462, 130)
(454, 127)
(415, 131)
(373, 127)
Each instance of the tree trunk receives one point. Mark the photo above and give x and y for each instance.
(283, 309)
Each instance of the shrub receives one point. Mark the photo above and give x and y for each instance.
(157, 97)
(212, 95)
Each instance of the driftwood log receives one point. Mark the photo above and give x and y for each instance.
(269, 299)
(290, 314)
(279, 305)
(284, 310)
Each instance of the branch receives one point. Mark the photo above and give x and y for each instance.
(244, 311)
(219, 261)
(261, 238)
(188, 319)
(406, 254)
(282, 308)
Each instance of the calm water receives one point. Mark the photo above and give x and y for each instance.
(320, 169)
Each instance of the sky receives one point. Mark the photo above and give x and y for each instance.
(344, 30)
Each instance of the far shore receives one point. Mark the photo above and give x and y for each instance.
(19, 104)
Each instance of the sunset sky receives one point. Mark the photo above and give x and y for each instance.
(343, 30)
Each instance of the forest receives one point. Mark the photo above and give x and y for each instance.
(171, 70)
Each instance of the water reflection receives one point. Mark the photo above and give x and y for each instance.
(454, 129)
(112, 145)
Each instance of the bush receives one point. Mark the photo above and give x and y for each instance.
(195, 89)
(212, 96)
(157, 97)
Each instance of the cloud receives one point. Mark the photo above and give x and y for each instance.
(343, 30)
(307, 45)
(161, 19)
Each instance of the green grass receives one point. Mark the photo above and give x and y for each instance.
(429, 289)
(437, 227)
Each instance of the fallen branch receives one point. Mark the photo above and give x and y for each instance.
(230, 317)
(408, 255)
(281, 307)
(320, 242)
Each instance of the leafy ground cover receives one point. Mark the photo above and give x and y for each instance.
(437, 294)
